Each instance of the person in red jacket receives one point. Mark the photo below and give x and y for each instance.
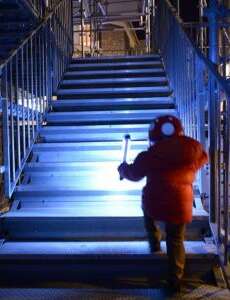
(170, 165)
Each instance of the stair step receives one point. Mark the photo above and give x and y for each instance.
(127, 80)
(91, 151)
(41, 190)
(63, 167)
(115, 82)
(108, 104)
(119, 58)
(83, 205)
(96, 74)
(89, 146)
(82, 250)
(88, 260)
(116, 90)
(91, 180)
(115, 66)
(93, 133)
(46, 218)
(106, 117)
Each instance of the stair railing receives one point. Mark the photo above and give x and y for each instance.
(27, 81)
(203, 101)
(38, 7)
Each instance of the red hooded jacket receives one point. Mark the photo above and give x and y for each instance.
(170, 166)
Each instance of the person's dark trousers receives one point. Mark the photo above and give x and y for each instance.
(153, 233)
(174, 242)
(175, 250)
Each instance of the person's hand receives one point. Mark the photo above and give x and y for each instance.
(121, 170)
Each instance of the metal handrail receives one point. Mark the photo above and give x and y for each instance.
(40, 7)
(203, 100)
(28, 78)
(25, 41)
(36, 6)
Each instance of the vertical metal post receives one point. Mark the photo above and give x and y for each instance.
(201, 14)
(49, 63)
(36, 93)
(17, 111)
(213, 31)
(23, 102)
(43, 82)
(154, 8)
(32, 87)
(213, 151)
(82, 28)
(6, 134)
(10, 95)
(147, 26)
(71, 26)
(95, 27)
(27, 94)
(91, 28)
(226, 169)
(178, 8)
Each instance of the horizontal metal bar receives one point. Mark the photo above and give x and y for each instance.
(108, 29)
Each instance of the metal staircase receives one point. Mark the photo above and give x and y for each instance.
(71, 211)
(17, 19)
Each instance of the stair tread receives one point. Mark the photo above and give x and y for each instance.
(193, 249)
(92, 145)
(83, 209)
(127, 72)
(118, 90)
(96, 128)
(96, 181)
(117, 57)
(93, 133)
(107, 116)
(69, 165)
(115, 64)
(73, 189)
(114, 80)
(95, 104)
(129, 100)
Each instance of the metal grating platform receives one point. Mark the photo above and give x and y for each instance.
(197, 292)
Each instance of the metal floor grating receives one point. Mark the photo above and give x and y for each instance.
(198, 292)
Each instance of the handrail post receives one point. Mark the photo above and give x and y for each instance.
(211, 13)
(6, 141)
(226, 169)
(82, 29)
(213, 151)
(4, 204)
(6, 145)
